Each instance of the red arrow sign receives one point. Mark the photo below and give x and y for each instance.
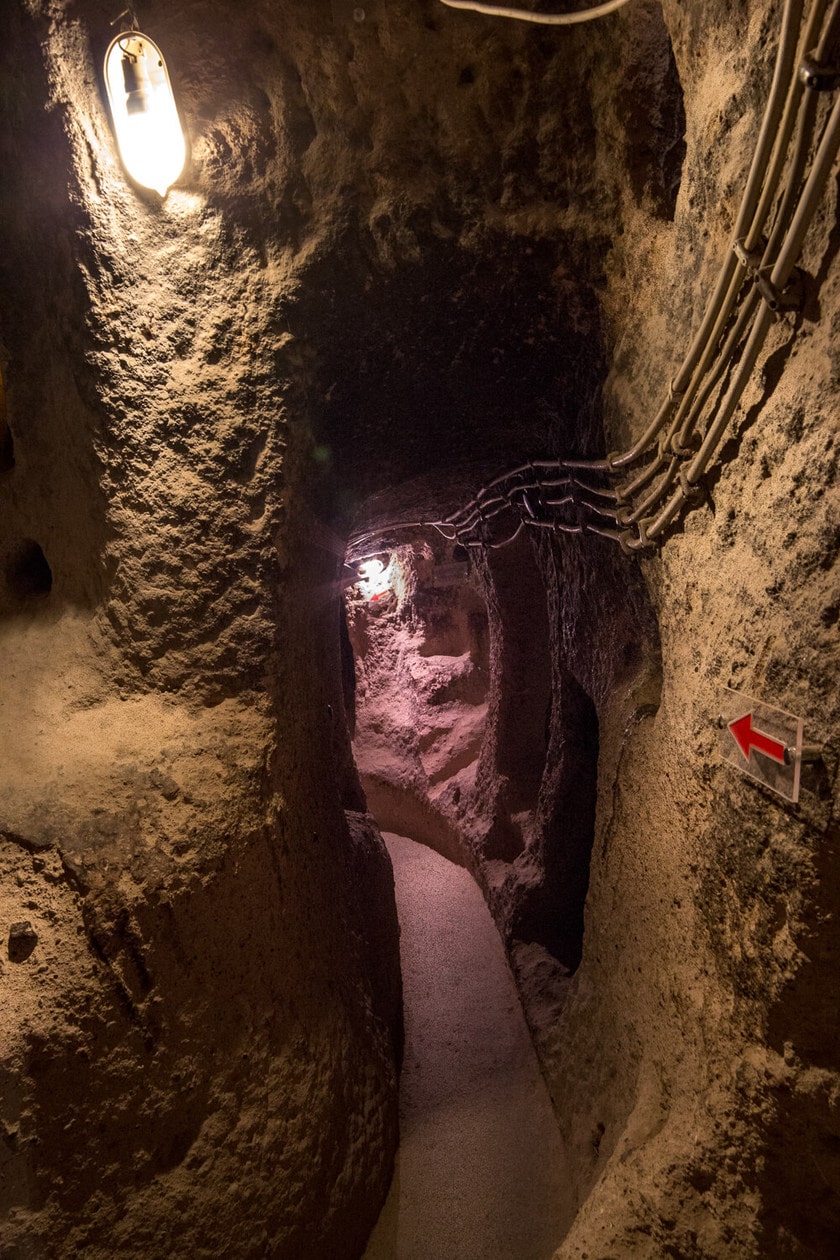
(747, 739)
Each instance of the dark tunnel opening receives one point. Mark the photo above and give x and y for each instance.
(28, 574)
(553, 915)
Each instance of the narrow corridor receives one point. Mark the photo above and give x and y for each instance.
(479, 1173)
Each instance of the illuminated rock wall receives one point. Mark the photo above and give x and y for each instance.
(200, 1051)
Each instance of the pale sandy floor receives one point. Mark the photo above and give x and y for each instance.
(480, 1171)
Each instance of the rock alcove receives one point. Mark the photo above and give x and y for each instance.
(412, 249)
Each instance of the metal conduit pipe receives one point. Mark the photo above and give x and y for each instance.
(564, 529)
(600, 510)
(792, 220)
(811, 196)
(544, 19)
(479, 502)
(778, 99)
(779, 277)
(662, 488)
(474, 506)
(475, 516)
(792, 198)
(476, 511)
(747, 221)
(808, 114)
(552, 483)
(612, 534)
(756, 340)
(687, 402)
(791, 21)
(628, 493)
(486, 514)
(639, 447)
(605, 493)
(651, 528)
(497, 504)
(591, 465)
(530, 467)
(513, 472)
(477, 505)
(497, 546)
(507, 541)
(809, 40)
(736, 333)
(802, 147)
(502, 504)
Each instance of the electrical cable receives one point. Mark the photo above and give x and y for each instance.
(682, 456)
(718, 304)
(543, 19)
(805, 207)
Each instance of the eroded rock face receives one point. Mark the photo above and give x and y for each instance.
(685, 1018)
(422, 244)
(200, 1050)
(420, 647)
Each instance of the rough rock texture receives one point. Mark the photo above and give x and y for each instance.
(413, 246)
(688, 1021)
(200, 1052)
(421, 654)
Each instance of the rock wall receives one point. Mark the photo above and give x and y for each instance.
(686, 1019)
(420, 649)
(200, 1024)
(423, 243)
(686, 1026)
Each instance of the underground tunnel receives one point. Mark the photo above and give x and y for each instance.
(443, 444)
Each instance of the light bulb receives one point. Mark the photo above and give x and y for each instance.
(374, 578)
(143, 108)
(369, 570)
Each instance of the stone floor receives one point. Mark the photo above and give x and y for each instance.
(480, 1170)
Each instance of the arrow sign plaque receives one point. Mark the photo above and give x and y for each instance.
(761, 741)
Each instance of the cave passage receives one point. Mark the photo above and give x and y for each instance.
(480, 1172)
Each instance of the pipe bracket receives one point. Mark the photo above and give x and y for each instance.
(819, 78)
(749, 259)
(692, 492)
(632, 544)
(684, 452)
(788, 298)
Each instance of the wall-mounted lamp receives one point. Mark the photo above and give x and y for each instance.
(143, 108)
(369, 570)
(374, 578)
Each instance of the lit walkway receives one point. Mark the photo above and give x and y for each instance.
(479, 1172)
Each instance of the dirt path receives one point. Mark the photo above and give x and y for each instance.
(479, 1173)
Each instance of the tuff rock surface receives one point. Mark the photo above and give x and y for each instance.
(407, 251)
